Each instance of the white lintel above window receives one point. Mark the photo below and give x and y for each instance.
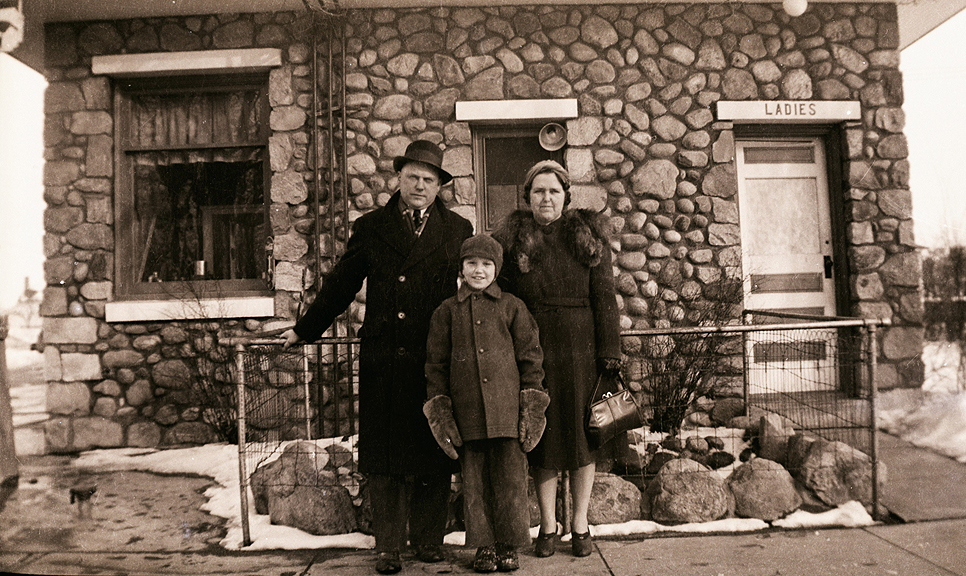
(189, 309)
(509, 111)
(181, 63)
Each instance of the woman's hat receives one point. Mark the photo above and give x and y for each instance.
(483, 246)
(426, 152)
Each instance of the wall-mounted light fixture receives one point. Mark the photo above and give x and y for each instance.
(795, 7)
(11, 27)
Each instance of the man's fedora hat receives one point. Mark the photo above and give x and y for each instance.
(426, 152)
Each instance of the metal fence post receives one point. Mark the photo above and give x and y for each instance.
(242, 453)
(873, 427)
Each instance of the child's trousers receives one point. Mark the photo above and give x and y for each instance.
(495, 493)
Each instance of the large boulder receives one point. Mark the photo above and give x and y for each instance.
(763, 489)
(613, 500)
(321, 510)
(774, 432)
(836, 472)
(685, 491)
(297, 490)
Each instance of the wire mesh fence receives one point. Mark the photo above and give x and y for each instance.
(297, 418)
(797, 391)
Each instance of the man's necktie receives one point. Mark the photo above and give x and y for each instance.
(417, 221)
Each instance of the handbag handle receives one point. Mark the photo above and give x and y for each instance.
(619, 380)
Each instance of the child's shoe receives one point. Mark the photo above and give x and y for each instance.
(486, 559)
(506, 558)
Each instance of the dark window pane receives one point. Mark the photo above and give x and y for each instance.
(507, 156)
(780, 155)
(190, 212)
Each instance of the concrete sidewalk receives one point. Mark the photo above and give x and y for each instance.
(922, 549)
(151, 524)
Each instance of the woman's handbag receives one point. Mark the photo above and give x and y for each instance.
(614, 413)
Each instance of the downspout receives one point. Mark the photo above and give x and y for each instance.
(315, 168)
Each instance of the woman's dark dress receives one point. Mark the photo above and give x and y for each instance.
(575, 307)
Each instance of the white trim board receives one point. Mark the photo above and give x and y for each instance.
(506, 111)
(191, 309)
(194, 62)
(788, 111)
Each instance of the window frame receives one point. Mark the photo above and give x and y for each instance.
(483, 132)
(127, 287)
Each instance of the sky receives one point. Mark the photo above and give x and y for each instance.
(934, 83)
(21, 179)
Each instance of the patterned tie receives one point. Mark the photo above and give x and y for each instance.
(417, 221)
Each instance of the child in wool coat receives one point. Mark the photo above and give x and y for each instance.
(484, 370)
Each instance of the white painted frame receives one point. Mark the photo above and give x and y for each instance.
(509, 111)
(184, 63)
(189, 309)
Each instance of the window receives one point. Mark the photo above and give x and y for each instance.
(191, 187)
(504, 155)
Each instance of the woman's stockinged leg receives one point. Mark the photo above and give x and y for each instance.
(546, 485)
(581, 486)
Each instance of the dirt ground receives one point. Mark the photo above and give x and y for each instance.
(129, 512)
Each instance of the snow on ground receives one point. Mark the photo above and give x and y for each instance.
(933, 417)
(220, 462)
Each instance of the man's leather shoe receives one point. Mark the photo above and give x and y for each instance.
(388, 563)
(429, 554)
(506, 558)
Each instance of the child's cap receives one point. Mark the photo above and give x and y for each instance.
(483, 246)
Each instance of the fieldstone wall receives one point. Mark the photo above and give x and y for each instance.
(646, 148)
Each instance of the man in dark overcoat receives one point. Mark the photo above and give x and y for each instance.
(408, 254)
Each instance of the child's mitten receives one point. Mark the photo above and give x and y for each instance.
(439, 412)
(533, 405)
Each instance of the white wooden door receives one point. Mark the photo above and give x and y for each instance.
(787, 266)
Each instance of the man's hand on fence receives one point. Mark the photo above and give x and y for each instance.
(439, 412)
(290, 338)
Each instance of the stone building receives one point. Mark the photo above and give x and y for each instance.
(722, 140)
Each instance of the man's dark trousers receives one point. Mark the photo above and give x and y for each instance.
(421, 501)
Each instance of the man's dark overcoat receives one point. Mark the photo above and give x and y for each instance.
(406, 279)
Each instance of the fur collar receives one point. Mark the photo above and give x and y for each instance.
(583, 232)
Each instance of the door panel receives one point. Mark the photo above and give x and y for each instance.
(786, 240)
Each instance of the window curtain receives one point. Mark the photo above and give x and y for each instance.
(201, 121)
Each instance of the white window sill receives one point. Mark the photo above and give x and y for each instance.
(196, 309)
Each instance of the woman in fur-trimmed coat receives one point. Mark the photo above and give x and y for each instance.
(559, 263)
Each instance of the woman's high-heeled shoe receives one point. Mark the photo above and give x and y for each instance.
(581, 544)
(546, 545)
